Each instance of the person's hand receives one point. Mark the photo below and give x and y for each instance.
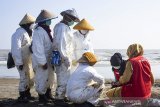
(115, 84)
(96, 85)
(74, 62)
(67, 62)
(20, 67)
(45, 66)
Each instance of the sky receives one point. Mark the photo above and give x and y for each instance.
(117, 23)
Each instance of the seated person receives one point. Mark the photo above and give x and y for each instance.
(137, 78)
(118, 67)
(85, 84)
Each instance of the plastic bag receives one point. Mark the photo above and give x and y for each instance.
(56, 58)
(10, 61)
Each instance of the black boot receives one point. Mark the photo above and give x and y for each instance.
(22, 97)
(28, 95)
(48, 94)
(43, 98)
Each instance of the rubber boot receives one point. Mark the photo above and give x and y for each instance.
(22, 97)
(28, 95)
(43, 98)
(48, 94)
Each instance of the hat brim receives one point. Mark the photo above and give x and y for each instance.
(46, 19)
(76, 19)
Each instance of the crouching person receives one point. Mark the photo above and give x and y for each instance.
(85, 84)
(21, 40)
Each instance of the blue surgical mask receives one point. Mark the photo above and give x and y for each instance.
(48, 22)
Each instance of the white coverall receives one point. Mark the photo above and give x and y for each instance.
(42, 49)
(78, 88)
(22, 56)
(63, 43)
(81, 45)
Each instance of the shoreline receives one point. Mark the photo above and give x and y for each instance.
(9, 94)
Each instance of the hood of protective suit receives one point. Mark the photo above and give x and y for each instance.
(27, 19)
(44, 16)
(71, 12)
(116, 59)
(83, 25)
(134, 50)
(88, 57)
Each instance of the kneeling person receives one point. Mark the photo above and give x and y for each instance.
(85, 84)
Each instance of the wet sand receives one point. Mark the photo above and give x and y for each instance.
(9, 94)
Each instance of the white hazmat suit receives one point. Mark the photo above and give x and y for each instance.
(22, 56)
(78, 88)
(82, 44)
(42, 49)
(63, 43)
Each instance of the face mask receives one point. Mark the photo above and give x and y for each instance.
(70, 23)
(84, 32)
(116, 67)
(48, 22)
(32, 26)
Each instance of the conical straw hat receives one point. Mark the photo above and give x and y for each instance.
(45, 15)
(83, 25)
(27, 19)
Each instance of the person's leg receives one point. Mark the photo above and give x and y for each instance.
(51, 82)
(22, 86)
(41, 83)
(63, 74)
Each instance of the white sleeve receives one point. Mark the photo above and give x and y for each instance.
(38, 48)
(63, 43)
(97, 78)
(16, 48)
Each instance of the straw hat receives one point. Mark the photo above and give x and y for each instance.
(83, 25)
(90, 57)
(71, 12)
(27, 19)
(135, 50)
(45, 15)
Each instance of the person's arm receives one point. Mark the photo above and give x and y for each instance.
(152, 78)
(127, 74)
(16, 48)
(38, 48)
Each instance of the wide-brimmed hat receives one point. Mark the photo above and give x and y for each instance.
(71, 12)
(135, 50)
(83, 25)
(88, 57)
(44, 16)
(27, 19)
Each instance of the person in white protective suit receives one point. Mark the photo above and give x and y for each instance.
(85, 84)
(81, 41)
(42, 49)
(20, 42)
(63, 43)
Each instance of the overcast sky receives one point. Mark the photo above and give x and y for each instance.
(117, 23)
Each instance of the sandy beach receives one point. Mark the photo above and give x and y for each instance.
(9, 94)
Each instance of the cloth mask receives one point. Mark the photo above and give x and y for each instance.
(48, 22)
(84, 32)
(116, 67)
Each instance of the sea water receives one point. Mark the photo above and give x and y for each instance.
(103, 67)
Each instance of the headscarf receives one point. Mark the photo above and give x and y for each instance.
(135, 50)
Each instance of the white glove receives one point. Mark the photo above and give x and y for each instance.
(67, 62)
